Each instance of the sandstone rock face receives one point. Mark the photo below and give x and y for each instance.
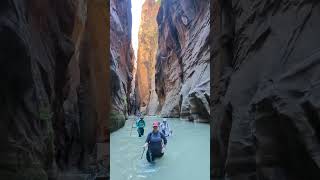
(183, 67)
(54, 103)
(146, 61)
(121, 60)
(134, 105)
(266, 66)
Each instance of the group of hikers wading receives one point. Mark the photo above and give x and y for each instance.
(156, 140)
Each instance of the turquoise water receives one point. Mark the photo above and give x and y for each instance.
(187, 154)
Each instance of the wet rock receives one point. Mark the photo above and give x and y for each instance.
(266, 66)
(183, 59)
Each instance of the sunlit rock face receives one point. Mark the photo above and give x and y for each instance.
(183, 67)
(54, 101)
(121, 61)
(148, 44)
(266, 90)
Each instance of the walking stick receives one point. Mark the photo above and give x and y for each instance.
(143, 152)
(131, 127)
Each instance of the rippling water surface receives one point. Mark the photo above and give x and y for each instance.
(187, 156)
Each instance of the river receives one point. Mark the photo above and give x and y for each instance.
(187, 154)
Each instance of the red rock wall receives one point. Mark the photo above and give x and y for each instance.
(183, 67)
(266, 65)
(54, 105)
(146, 61)
(121, 54)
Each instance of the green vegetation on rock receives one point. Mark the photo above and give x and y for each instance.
(45, 113)
(117, 120)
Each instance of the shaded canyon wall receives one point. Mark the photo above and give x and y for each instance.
(183, 67)
(266, 65)
(54, 94)
(121, 61)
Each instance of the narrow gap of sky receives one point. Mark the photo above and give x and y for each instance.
(136, 8)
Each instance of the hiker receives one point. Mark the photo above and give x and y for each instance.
(138, 114)
(165, 128)
(140, 123)
(154, 143)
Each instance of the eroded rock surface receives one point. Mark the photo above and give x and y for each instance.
(183, 67)
(266, 93)
(54, 97)
(148, 34)
(121, 61)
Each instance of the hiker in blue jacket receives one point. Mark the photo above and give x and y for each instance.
(140, 123)
(156, 143)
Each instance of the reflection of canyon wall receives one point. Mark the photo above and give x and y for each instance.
(121, 60)
(148, 35)
(183, 68)
(54, 97)
(266, 97)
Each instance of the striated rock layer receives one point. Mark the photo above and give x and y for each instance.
(54, 97)
(183, 67)
(266, 96)
(121, 61)
(146, 61)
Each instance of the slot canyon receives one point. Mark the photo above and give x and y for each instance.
(172, 75)
(165, 77)
(70, 76)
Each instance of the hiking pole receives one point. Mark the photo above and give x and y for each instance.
(143, 152)
(131, 128)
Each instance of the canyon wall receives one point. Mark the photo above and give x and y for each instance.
(146, 58)
(121, 61)
(54, 94)
(266, 93)
(183, 67)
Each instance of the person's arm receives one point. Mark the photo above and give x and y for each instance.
(164, 138)
(144, 124)
(147, 140)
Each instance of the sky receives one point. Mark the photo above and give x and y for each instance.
(136, 7)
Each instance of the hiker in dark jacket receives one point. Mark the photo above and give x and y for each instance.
(140, 123)
(156, 143)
